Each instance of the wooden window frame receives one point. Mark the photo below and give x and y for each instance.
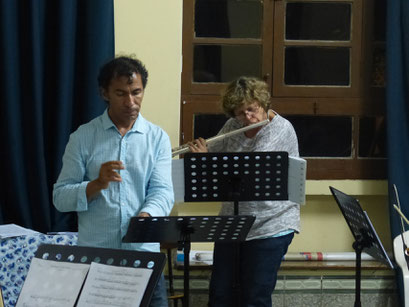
(357, 101)
(189, 40)
(282, 90)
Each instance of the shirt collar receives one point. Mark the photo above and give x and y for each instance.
(139, 126)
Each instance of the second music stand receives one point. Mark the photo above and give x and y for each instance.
(366, 238)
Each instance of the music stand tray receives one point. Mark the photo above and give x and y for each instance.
(366, 238)
(173, 229)
(117, 257)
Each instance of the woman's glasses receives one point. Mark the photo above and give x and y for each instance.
(250, 111)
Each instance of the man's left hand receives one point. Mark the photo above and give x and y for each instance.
(144, 214)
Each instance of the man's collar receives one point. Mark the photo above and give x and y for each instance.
(139, 125)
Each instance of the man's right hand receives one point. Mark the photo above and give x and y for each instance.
(107, 173)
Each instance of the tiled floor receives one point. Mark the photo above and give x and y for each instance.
(199, 299)
(333, 291)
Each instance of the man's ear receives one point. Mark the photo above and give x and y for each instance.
(104, 94)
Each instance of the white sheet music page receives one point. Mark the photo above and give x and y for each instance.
(297, 174)
(178, 180)
(13, 230)
(109, 285)
(52, 283)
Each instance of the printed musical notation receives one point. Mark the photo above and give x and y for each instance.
(53, 283)
(108, 285)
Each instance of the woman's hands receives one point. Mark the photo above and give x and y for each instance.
(198, 145)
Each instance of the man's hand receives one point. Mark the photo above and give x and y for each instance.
(144, 214)
(107, 173)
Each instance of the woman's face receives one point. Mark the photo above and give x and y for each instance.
(250, 113)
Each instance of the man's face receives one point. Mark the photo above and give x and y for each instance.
(124, 96)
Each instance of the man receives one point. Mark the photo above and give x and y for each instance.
(117, 166)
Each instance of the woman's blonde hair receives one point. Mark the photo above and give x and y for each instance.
(245, 91)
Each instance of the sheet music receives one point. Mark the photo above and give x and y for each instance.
(108, 285)
(178, 179)
(297, 174)
(13, 230)
(52, 283)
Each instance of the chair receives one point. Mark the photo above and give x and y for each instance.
(401, 261)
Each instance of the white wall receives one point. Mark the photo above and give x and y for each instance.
(152, 30)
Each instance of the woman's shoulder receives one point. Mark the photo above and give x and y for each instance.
(281, 121)
(231, 124)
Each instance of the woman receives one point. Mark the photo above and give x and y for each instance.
(246, 101)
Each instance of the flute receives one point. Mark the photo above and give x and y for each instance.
(185, 148)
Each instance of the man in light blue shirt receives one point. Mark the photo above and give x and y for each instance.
(117, 166)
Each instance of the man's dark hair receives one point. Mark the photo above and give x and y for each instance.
(123, 66)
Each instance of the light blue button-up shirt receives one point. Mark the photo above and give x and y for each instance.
(146, 186)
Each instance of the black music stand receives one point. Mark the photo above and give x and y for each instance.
(116, 257)
(236, 176)
(239, 176)
(366, 238)
(184, 230)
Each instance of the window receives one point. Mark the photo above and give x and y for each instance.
(323, 60)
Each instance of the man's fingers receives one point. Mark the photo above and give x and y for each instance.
(114, 165)
(110, 172)
(113, 175)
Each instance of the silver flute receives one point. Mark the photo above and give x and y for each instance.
(185, 148)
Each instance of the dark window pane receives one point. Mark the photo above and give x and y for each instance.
(208, 125)
(228, 18)
(372, 137)
(380, 20)
(378, 67)
(317, 66)
(223, 63)
(318, 136)
(323, 136)
(318, 21)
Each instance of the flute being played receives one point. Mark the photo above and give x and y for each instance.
(185, 148)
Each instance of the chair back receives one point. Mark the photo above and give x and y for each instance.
(400, 259)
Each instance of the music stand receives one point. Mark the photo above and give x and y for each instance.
(366, 238)
(116, 257)
(184, 230)
(236, 176)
